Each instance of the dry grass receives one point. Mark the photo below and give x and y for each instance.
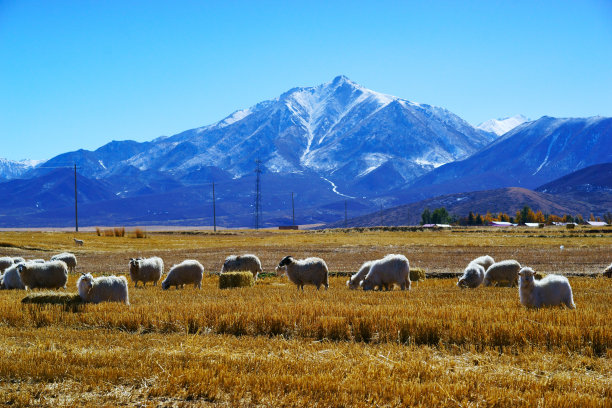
(271, 345)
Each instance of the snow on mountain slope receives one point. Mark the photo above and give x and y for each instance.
(340, 130)
(501, 126)
(10, 169)
(321, 129)
(528, 156)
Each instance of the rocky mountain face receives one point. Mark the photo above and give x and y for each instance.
(528, 156)
(334, 146)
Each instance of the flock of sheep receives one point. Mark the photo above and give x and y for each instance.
(384, 273)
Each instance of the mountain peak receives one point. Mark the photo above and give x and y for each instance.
(502, 125)
(342, 79)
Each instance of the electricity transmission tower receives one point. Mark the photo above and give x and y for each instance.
(257, 193)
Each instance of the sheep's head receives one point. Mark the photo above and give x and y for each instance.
(165, 284)
(352, 283)
(21, 267)
(526, 276)
(366, 284)
(280, 270)
(286, 261)
(135, 263)
(84, 285)
(461, 283)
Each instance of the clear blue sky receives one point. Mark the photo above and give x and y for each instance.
(78, 74)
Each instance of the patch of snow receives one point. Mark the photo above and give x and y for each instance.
(373, 161)
(552, 142)
(335, 188)
(102, 164)
(503, 125)
(424, 162)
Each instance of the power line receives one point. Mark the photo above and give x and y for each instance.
(214, 209)
(257, 194)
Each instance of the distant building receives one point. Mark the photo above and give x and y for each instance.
(501, 224)
(597, 223)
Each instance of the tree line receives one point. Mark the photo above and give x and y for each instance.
(526, 214)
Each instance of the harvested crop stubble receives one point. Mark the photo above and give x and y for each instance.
(44, 367)
(435, 314)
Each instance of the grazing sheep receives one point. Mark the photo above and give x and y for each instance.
(385, 272)
(246, 262)
(553, 290)
(472, 277)
(68, 258)
(500, 272)
(189, 271)
(11, 279)
(355, 280)
(608, 272)
(78, 242)
(485, 261)
(5, 262)
(103, 289)
(146, 270)
(18, 259)
(309, 271)
(48, 275)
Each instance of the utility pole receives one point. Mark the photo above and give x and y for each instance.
(76, 210)
(257, 194)
(292, 208)
(345, 217)
(214, 210)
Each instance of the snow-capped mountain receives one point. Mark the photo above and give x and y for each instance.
(334, 146)
(10, 169)
(339, 131)
(501, 126)
(528, 156)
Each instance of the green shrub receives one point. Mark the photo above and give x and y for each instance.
(417, 274)
(236, 280)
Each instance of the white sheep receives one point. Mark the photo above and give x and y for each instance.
(246, 262)
(485, 261)
(11, 279)
(552, 290)
(502, 272)
(5, 262)
(103, 289)
(78, 242)
(353, 282)
(48, 275)
(146, 270)
(472, 277)
(68, 258)
(309, 271)
(392, 269)
(18, 259)
(608, 272)
(188, 271)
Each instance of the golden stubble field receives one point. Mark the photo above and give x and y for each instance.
(270, 345)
